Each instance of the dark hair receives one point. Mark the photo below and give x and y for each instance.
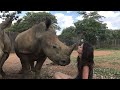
(86, 58)
(87, 53)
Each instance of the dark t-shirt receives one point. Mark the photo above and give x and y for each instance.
(80, 69)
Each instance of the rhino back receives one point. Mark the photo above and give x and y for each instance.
(25, 41)
(7, 43)
(28, 41)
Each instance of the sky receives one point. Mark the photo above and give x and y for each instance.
(67, 18)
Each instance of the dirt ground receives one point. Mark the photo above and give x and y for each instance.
(12, 66)
(96, 53)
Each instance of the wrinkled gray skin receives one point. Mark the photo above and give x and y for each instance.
(38, 43)
(5, 43)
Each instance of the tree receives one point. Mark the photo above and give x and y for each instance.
(68, 35)
(7, 18)
(90, 27)
(32, 18)
(6, 14)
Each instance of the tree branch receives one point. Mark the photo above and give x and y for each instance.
(8, 21)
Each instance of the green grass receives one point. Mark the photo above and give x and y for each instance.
(107, 72)
(114, 63)
(114, 56)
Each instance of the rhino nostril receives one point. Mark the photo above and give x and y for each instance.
(63, 62)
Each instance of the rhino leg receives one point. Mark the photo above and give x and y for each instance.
(26, 67)
(23, 67)
(38, 67)
(32, 65)
(3, 59)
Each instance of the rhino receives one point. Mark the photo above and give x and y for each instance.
(38, 43)
(5, 43)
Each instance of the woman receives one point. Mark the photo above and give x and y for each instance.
(85, 63)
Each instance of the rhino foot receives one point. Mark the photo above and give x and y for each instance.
(2, 74)
(21, 71)
(37, 77)
(1, 77)
(29, 75)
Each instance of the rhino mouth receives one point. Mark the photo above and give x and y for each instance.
(62, 62)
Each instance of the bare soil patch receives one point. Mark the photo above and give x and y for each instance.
(96, 53)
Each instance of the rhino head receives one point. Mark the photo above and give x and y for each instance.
(53, 48)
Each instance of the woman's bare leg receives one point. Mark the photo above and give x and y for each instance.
(59, 75)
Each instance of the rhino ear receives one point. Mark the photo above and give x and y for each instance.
(48, 23)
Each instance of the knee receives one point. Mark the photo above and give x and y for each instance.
(57, 75)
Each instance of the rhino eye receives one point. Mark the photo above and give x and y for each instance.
(54, 47)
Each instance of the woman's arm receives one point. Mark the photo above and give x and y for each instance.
(85, 73)
(59, 75)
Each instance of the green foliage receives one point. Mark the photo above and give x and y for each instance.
(69, 32)
(114, 34)
(33, 18)
(6, 14)
(93, 30)
(67, 35)
(91, 27)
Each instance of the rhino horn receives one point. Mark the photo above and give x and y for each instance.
(72, 48)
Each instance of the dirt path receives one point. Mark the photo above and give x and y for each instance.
(13, 65)
(96, 53)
